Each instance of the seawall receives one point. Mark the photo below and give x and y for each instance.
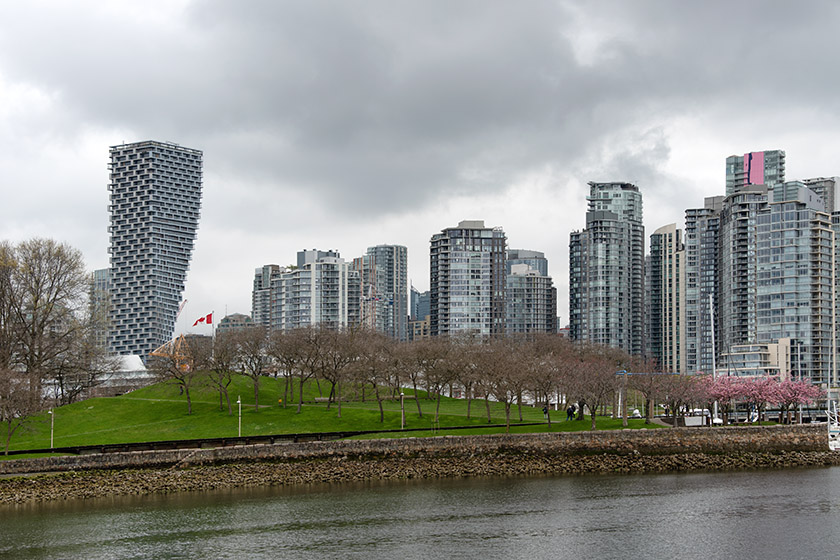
(664, 450)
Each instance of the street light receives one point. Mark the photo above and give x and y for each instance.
(52, 426)
(239, 402)
(402, 410)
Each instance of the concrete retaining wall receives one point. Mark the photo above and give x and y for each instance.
(723, 440)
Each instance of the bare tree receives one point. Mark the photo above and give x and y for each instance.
(222, 364)
(340, 350)
(182, 361)
(18, 402)
(499, 365)
(252, 349)
(594, 378)
(44, 332)
(376, 365)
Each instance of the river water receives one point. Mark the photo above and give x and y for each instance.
(768, 514)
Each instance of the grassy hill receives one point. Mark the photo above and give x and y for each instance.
(159, 413)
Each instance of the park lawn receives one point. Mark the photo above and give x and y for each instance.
(159, 413)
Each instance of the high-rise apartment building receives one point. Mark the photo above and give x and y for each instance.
(702, 226)
(755, 168)
(384, 289)
(664, 297)
(606, 273)
(322, 290)
(468, 280)
(795, 277)
(155, 200)
(531, 301)
(534, 259)
(737, 242)
(262, 294)
(826, 188)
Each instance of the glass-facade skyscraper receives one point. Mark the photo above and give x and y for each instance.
(795, 278)
(468, 280)
(606, 269)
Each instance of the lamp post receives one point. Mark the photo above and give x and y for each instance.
(622, 398)
(402, 410)
(239, 402)
(52, 426)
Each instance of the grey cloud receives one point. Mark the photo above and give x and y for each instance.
(399, 102)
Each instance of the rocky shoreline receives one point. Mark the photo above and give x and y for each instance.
(338, 469)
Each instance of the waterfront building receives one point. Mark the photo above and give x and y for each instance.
(383, 274)
(738, 240)
(531, 301)
(261, 294)
(606, 272)
(754, 168)
(467, 271)
(795, 278)
(322, 290)
(702, 227)
(771, 359)
(664, 296)
(155, 199)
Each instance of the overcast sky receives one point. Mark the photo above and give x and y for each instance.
(347, 124)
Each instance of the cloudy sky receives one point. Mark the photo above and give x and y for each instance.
(346, 124)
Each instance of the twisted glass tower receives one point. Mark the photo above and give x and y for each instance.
(155, 199)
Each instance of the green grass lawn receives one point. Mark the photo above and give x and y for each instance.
(159, 412)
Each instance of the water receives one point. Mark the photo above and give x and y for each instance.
(772, 514)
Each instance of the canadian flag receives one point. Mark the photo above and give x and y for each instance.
(208, 319)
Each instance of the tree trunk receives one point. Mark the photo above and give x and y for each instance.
(487, 404)
(507, 416)
(437, 407)
(339, 398)
(256, 393)
(592, 410)
(286, 391)
(189, 402)
(379, 400)
(300, 394)
(417, 400)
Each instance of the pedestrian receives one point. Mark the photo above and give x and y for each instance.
(545, 412)
(570, 412)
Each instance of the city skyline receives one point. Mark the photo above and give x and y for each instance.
(383, 124)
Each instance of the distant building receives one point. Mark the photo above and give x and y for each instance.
(534, 259)
(701, 267)
(794, 279)
(383, 274)
(419, 329)
(738, 263)
(531, 301)
(234, 321)
(420, 304)
(322, 290)
(261, 294)
(606, 269)
(754, 168)
(155, 199)
(468, 280)
(664, 296)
